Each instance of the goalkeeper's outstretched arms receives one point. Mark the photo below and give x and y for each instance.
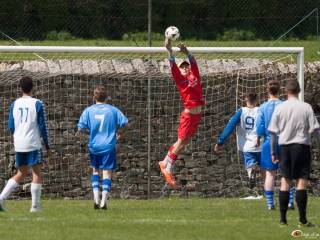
(233, 122)
(193, 63)
(176, 74)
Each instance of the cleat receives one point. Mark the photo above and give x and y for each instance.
(35, 209)
(307, 224)
(2, 208)
(168, 176)
(95, 206)
(104, 206)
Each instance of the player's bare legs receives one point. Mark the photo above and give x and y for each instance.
(36, 188)
(21, 173)
(180, 145)
(36, 174)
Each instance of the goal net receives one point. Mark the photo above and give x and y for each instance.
(139, 82)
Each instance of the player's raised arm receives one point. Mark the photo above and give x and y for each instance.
(192, 60)
(168, 45)
(174, 68)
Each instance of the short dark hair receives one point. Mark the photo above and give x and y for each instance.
(100, 93)
(274, 87)
(251, 97)
(26, 84)
(292, 86)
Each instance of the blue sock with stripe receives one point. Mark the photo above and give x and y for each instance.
(292, 191)
(269, 198)
(95, 182)
(106, 187)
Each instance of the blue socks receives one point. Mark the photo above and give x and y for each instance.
(95, 181)
(106, 185)
(269, 198)
(292, 191)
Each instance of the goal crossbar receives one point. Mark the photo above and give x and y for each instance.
(149, 50)
(153, 50)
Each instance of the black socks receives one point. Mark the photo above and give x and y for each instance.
(302, 199)
(283, 202)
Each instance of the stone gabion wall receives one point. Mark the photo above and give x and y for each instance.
(66, 89)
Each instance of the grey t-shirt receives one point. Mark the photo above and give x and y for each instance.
(294, 121)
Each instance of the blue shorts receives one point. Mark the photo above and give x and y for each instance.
(251, 159)
(107, 161)
(266, 161)
(28, 158)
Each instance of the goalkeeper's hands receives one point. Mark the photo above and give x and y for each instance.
(183, 48)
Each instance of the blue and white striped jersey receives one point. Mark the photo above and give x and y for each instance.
(27, 123)
(245, 121)
(102, 121)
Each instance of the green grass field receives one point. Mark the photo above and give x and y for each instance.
(151, 219)
(312, 48)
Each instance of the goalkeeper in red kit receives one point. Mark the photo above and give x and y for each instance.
(187, 78)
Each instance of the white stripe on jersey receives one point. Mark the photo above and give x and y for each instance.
(26, 133)
(247, 131)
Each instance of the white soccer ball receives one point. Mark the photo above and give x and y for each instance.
(172, 33)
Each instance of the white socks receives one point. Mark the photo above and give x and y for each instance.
(169, 161)
(104, 198)
(8, 189)
(96, 197)
(249, 171)
(36, 194)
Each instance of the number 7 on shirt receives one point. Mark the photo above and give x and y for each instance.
(101, 118)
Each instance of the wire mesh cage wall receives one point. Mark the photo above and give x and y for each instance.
(140, 85)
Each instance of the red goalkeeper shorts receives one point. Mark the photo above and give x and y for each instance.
(188, 125)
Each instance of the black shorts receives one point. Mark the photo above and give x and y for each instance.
(295, 161)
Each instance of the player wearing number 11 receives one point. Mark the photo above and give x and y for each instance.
(103, 122)
(27, 124)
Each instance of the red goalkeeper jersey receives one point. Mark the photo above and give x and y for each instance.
(189, 86)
